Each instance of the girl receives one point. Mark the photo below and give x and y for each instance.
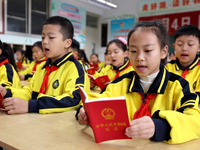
(120, 64)
(160, 104)
(22, 61)
(8, 73)
(38, 56)
(95, 62)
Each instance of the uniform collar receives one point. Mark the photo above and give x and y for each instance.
(59, 61)
(42, 59)
(178, 66)
(157, 87)
(122, 67)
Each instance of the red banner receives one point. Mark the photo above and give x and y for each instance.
(173, 21)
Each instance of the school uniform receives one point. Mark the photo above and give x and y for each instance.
(23, 63)
(28, 72)
(8, 75)
(62, 92)
(191, 73)
(174, 109)
(114, 72)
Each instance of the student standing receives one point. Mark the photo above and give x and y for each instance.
(187, 63)
(160, 104)
(54, 86)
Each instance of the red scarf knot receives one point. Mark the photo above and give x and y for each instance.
(144, 108)
(37, 63)
(46, 78)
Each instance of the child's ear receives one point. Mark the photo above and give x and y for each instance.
(68, 43)
(0, 51)
(126, 53)
(164, 52)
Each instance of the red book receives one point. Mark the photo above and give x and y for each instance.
(107, 117)
(91, 70)
(96, 66)
(101, 81)
(1, 100)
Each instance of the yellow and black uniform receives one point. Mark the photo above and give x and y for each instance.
(191, 73)
(62, 92)
(174, 109)
(30, 70)
(8, 75)
(114, 72)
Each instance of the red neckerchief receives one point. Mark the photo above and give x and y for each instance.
(184, 72)
(4, 61)
(118, 72)
(37, 63)
(144, 108)
(46, 78)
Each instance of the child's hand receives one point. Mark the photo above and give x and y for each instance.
(14, 105)
(82, 117)
(92, 83)
(141, 128)
(22, 77)
(3, 91)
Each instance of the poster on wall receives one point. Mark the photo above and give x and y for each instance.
(173, 21)
(1, 16)
(121, 27)
(147, 7)
(76, 15)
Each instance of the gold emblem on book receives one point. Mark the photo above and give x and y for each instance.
(108, 114)
(102, 80)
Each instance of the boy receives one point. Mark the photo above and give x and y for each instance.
(54, 86)
(187, 63)
(75, 47)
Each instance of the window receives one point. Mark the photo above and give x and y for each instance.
(38, 15)
(16, 16)
(26, 16)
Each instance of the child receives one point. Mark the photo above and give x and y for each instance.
(8, 69)
(120, 64)
(94, 59)
(107, 59)
(171, 56)
(39, 57)
(187, 63)
(159, 102)
(84, 58)
(22, 61)
(54, 86)
(75, 47)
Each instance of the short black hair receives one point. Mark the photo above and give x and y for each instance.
(67, 29)
(187, 30)
(75, 45)
(38, 44)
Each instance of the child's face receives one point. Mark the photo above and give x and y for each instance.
(186, 48)
(19, 56)
(37, 53)
(116, 55)
(94, 59)
(52, 40)
(145, 53)
(107, 60)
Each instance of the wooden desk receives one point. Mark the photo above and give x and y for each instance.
(61, 131)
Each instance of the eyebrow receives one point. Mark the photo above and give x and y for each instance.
(142, 46)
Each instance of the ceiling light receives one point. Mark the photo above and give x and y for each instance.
(105, 3)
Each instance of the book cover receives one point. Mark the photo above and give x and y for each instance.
(107, 117)
(91, 70)
(1, 100)
(101, 81)
(96, 66)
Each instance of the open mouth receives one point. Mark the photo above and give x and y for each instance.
(141, 68)
(46, 50)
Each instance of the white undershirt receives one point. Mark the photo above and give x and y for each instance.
(147, 81)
